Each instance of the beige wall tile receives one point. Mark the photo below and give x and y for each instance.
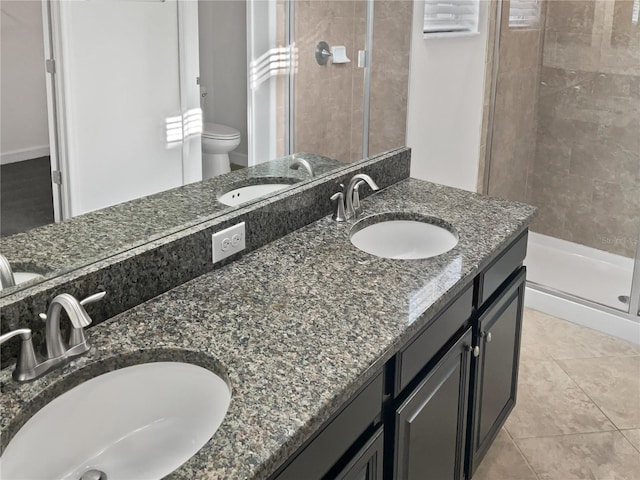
(390, 74)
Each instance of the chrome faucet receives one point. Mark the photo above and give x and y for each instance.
(29, 367)
(79, 319)
(349, 201)
(353, 197)
(6, 274)
(301, 162)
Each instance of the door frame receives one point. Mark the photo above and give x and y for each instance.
(55, 110)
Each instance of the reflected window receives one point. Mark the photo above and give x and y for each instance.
(524, 13)
(450, 17)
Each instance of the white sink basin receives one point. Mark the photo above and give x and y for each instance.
(140, 422)
(251, 192)
(21, 277)
(403, 239)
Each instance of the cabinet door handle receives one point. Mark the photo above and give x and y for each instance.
(475, 350)
(488, 335)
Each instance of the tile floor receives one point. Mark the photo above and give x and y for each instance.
(577, 415)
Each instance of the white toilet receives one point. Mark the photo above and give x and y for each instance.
(217, 141)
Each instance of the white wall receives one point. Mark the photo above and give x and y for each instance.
(445, 104)
(23, 120)
(223, 63)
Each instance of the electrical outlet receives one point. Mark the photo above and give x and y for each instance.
(227, 242)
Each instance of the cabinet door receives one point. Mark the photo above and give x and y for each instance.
(496, 367)
(431, 424)
(367, 464)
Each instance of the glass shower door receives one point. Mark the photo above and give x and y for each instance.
(566, 116)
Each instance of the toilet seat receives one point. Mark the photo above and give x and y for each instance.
(219, 132)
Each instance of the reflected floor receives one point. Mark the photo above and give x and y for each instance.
(26, 196)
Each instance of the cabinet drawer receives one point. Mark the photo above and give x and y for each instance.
(415, 356)
(502, 268)
(317, 457)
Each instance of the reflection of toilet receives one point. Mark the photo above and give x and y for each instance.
(217, 141)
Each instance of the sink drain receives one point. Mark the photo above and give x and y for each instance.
(93, 475)
(624, 299)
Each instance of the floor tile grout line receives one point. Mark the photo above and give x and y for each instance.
(589, 397)
(524, 457)
(614, 429)
(629, 441)
(598, 357)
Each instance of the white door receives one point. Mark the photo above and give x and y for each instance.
(118, 90)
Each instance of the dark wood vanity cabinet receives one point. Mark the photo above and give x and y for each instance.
(495, 369)
(431, 424)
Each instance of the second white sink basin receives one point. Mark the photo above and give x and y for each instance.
(139, 422)
(251, 192)
(22, 277)
(403, 238)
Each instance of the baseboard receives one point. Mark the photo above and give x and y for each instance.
(605, 322)
(24, 154)
(239, 158)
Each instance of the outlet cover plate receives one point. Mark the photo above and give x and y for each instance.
(228, 242)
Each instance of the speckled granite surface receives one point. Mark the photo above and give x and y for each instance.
(141, 273)
(55, 249)
(296, 327)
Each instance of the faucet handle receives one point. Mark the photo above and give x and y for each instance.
(25, 333)
(27, 361)
(77, 335)
(339, 215)
(96, 297)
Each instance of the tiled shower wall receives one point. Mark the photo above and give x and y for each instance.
(578, 157)
(329, 98)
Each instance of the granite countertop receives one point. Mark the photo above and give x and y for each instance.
(295, 327)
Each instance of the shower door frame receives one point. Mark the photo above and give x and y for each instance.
(634, 298)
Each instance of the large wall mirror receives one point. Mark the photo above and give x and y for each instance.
(124, 120)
